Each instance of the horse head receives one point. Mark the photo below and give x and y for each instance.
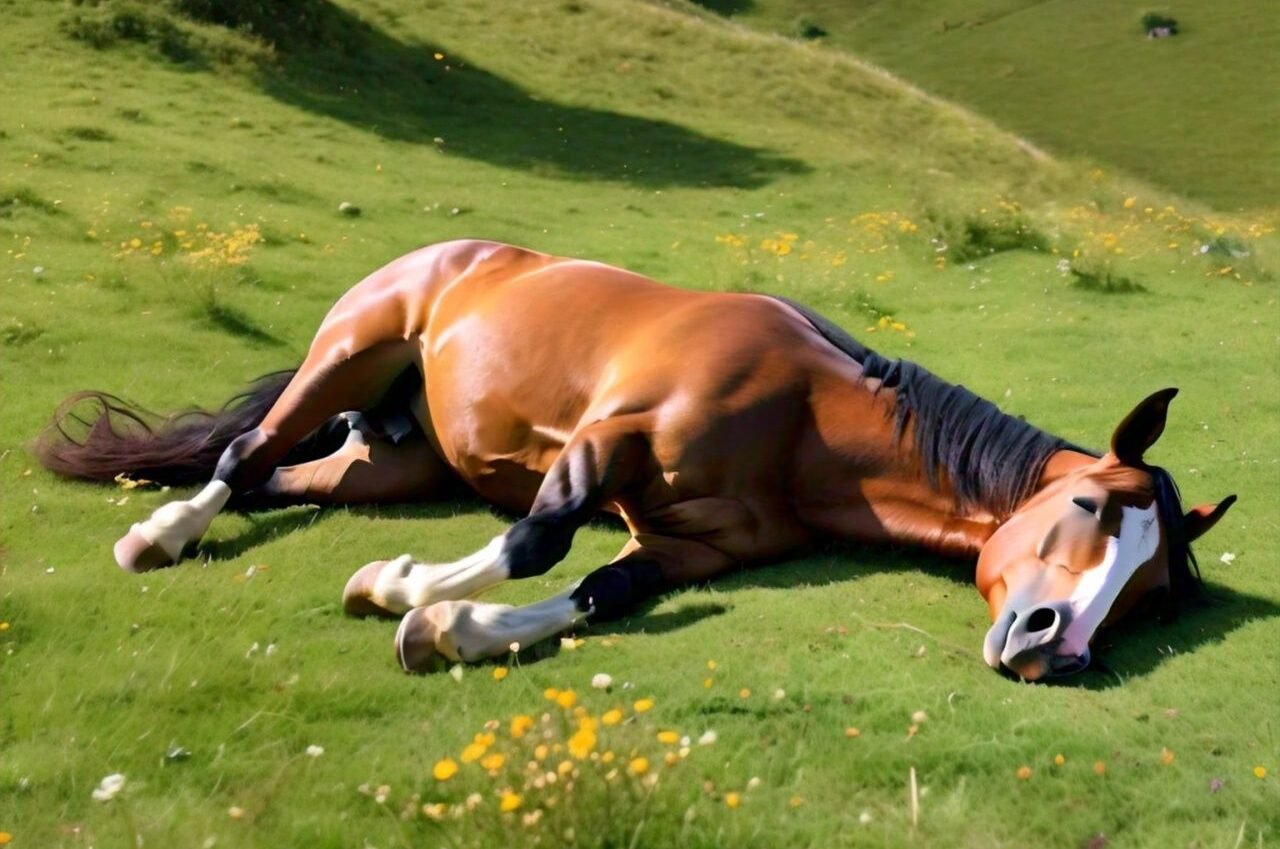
(1094, 544)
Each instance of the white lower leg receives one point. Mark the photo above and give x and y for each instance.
(471, 631)
(178, 523)
(402, 585)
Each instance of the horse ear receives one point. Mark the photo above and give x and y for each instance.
(1200, 519)
(1141, 428)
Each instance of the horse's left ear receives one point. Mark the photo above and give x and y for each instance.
(1141, 428)
(1200, 519)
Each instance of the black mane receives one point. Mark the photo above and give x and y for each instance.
(1185, 582)
(991, 459)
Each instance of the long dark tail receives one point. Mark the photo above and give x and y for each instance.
(96, 436)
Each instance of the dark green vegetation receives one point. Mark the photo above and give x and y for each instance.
(169, 206)
(1195, 114)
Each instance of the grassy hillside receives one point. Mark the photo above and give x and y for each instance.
(1195, 113)
(169, 204)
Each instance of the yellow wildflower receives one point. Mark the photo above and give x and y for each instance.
(500, 672)
(1059, 760)
(671, 758)
(566, 699)
(744, 693)
(711, 664)
(643, 705)
(583, 741)
(732, 800)
(668, 737)
(435, 810)
(1100, 767)
(485, 739)
(493, 761)
(611, 717)
(1129, 202)
(795, 801)
(564, 768)
(445, 769)
(1024, 772)
(510, 801)
(540, 752)
(520, 725)
(473, 752)
(708, 682)
(1166, 757)
(1260, 771)
(638, 766)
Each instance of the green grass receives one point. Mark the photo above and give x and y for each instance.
(1194, 113)
(694, 151)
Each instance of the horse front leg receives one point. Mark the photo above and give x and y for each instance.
(597, 463)
(469, 631)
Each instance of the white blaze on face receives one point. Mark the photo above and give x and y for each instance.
(1100, 586)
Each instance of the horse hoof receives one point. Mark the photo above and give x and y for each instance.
(417, 642)
(357, 597)
(135, 553)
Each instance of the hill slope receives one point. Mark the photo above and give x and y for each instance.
(170, 195)
(1196, 113)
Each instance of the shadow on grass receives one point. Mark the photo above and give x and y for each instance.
(358, 74)
(1125, 652)
(1122, 653)
(264, 529)
(1131, 650)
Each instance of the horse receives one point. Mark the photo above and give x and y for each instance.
(724, 429)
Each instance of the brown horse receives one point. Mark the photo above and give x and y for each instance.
(722, 428)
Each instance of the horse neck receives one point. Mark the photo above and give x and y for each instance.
(872, 484)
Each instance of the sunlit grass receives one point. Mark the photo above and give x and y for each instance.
(752, 163)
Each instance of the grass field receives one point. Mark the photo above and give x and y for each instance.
(169, 204)
(1195, 113)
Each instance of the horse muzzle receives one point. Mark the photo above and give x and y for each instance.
(1028, 643)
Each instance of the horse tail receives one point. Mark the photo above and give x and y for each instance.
(95, 436)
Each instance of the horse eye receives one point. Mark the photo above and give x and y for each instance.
(1086, 504)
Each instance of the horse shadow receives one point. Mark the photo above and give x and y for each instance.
(342, 67)
(1126, 652)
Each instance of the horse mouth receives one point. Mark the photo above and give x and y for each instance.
(1031, 663)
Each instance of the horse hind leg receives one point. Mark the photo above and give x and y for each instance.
(329, 382)
(366, 469)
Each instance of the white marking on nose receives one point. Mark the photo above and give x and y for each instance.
(1099, 587)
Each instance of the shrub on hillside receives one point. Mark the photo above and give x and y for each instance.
(980, 236)
(808, 29)
(199, 31)
(1154, 23)
(277, 22)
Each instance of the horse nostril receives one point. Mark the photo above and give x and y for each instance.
(1041, 619)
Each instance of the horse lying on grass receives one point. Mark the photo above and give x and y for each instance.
(722, 428)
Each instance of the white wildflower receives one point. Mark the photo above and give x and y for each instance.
(109, 788)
